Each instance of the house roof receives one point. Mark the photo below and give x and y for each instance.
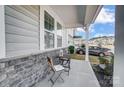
(77, 36)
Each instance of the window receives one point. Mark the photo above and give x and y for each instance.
(49, 40)
(59, 26)
(49, 25)
(59, 41)
(59, 35)
(48, 22)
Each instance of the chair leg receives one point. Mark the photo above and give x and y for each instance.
(67, 65)
(53, 81)
(58, 76)
(62, 79)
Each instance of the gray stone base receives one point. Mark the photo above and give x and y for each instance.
(25, 71)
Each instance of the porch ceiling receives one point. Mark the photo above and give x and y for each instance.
(76, 15)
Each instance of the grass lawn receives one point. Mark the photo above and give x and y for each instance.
(93, 59)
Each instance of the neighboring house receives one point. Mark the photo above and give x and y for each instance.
(105, 41)
(78, 41)
(70, 36)
(70, 40)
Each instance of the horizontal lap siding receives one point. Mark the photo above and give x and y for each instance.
(21, 46)
(22, 29)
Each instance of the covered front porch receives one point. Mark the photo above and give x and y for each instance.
(81, 75)
(24, 59)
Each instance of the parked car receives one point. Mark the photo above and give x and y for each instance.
(94, 50)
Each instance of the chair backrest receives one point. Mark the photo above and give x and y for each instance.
(50, 63)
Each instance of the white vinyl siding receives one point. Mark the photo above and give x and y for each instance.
(22, 29)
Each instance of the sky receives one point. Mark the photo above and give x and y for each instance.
(104, 24)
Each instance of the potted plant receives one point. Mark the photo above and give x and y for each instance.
(71, 49)
(83, 46)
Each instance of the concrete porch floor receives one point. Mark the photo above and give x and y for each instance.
(81, 75)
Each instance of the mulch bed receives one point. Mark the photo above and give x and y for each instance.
(105, 80)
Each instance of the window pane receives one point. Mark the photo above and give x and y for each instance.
(59, 26)
(59, 41)
(48, 21)
(59, 29)
(49, 40)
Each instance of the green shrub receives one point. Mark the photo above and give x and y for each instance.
(83, 45)
(112, 59)
(108, 70)
(103, 60)
(71, 49)
(106, 59)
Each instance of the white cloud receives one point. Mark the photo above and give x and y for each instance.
(100, 35)
(105, 16)
(80, 30)
(91, 28)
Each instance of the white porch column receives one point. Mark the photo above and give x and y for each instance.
(118, 78)
(2, 32)
(42, 42)
(87, 44)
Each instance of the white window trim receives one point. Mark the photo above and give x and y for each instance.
(53, 32)
(55, 35)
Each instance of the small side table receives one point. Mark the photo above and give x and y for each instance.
(65, 62)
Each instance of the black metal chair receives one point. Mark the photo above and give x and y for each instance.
(65, 62)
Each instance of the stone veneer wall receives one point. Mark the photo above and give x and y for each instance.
(24, 71)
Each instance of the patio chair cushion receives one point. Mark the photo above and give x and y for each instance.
(58, 67)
